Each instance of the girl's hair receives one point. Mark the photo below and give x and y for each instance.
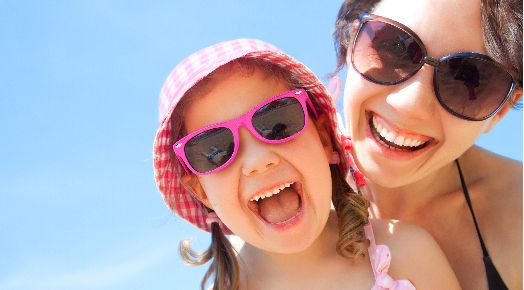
(351, 208)
(501, 29)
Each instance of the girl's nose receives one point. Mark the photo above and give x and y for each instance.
(256, 156)
(415, 98)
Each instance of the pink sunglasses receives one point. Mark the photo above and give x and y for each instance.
(275, 120)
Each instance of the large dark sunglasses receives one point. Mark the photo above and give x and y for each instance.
(469, 85)
(275, 120)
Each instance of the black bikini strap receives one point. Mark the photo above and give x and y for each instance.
(466, 194)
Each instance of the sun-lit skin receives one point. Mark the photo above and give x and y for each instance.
(301, 253)
(412, 106)
(260, 166)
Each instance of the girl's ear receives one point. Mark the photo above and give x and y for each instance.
(192, 182)
(322, 125)
(517, 95)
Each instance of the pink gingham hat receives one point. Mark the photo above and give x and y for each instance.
(185, 75)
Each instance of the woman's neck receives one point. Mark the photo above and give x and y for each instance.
(408, 200)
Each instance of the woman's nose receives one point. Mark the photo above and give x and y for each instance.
(256, 155)
(415, 98)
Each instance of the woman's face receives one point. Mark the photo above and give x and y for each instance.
(410, 109)
(291, 219)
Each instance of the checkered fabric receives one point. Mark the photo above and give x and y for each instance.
(187, 74)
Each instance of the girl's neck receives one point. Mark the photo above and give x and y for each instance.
(257, 265)
(318, 250)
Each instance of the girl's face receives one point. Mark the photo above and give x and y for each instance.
(410, 109)
(290, 220)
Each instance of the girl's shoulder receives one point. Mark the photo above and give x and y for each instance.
(415, 255)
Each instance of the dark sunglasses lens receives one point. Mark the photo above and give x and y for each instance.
(385, 53)
(472, 87)
(210, 149)
(279, 119)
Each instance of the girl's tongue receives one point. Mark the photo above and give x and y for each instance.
(280, 207)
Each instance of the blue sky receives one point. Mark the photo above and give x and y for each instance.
(79, 85)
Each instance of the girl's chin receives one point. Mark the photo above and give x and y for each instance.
(296, 238)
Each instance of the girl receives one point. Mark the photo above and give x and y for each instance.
(247, 144)
(420, 90)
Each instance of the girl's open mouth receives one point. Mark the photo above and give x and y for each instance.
(278, 205)
(395, 140)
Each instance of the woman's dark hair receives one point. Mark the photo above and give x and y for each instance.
(348, 13)
(502, 33)
(501, 29)
(351, 208)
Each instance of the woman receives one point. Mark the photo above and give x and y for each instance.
(414, 126)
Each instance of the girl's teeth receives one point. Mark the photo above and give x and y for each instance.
(271, 192)
(406, 142)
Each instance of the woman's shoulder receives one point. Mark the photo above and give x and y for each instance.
(400, 236)
(415, 255)
(494, 182)
(496, 197)
(492, 164)
(407, 242)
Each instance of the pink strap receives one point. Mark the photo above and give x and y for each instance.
(368, 231)
(335, 81)
(335, 94)
(380, 258)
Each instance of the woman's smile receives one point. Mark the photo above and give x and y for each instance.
(395, 139)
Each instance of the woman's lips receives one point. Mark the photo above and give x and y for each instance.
(399, 140)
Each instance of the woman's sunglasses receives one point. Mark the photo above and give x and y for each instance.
(275, 120)
(470, 86)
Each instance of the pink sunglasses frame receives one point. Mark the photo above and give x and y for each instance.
(244, 120)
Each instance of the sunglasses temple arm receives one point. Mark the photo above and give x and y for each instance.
(312, 107)
(183, 164)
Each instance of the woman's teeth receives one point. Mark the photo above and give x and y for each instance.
(270, 192)
(392, 139)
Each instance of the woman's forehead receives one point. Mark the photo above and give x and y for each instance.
(445, 26)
